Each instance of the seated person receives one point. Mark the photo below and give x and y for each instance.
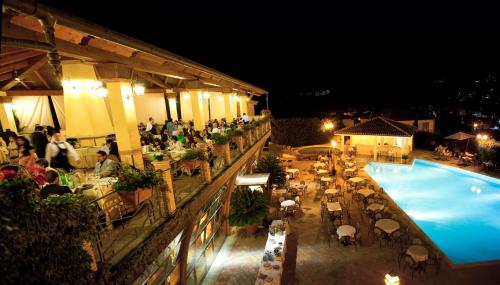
(38, 171)
(53, 188)
(104, 167)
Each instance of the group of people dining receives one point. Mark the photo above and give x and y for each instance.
(178, 135)
(46, 154)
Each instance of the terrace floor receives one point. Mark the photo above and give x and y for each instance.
(311, 259)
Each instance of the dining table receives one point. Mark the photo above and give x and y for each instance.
(319, 165)
(387, 225)
(333, 206)
(366, 192)
(346, 230)
(418, 253)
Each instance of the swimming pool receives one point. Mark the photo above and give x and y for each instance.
(458, 210)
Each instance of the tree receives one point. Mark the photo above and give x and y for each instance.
(272, 165)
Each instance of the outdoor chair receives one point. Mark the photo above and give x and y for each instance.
(379, 235)
(416, 241)
(413, 265)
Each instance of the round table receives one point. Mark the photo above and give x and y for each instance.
(387, 225)
(324, 158)
(322, 172)
(346, 230)
(319, 165)
(366, 192)
(288, 203)
(331, 191)
(326, 179)
(375, 207)
(292, 171)
(418, 253)
(349, 169)
(356, 179)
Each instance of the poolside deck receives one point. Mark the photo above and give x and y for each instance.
(311, 259)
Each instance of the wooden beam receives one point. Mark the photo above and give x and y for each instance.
(13, 67)
(52, 92)
(5, 99)
(6, 76)
(40, 77)
(24, 84)
(35, 65)
(5, 60)
(151, 79)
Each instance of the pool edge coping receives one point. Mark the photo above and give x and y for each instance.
(428, 239)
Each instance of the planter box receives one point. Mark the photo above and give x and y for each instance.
(219, 148)
(190, 165)
(132, 199)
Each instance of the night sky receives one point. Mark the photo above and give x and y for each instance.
(313, 57)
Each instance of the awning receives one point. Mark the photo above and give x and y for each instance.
(460, 136)
(252, 179)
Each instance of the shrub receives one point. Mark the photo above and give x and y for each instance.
(272, 165)
(131, 178)
(41, 240)
(220, 139)
(247, 207)
(194, 154)
(234, 132)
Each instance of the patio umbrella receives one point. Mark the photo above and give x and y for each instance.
(461, 136)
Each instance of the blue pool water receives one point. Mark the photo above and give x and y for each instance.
(459, 210)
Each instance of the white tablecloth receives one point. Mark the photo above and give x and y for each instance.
(331, 191)
(326, 179)
(418, 253)
(366, 192)
(375, 207)
(288, 203)
(322, 172)
(319, 165)
(356, 179)
(292, 171)
(275, 274)
(349, 170)
(334, 207)
(387, 225)
(346, 230)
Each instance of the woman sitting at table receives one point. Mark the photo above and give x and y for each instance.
(114, 155)
(175, 144)
(28, 157)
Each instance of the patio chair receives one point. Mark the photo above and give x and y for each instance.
(379, 235)
(413, 265)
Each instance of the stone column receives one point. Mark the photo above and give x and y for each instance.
(6, 113)
(168, 196)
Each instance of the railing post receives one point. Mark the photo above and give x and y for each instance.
(168, 196)
(239, 142)
(205, 168)
(227, 154)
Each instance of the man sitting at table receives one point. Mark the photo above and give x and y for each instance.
(104, 167)
(53, 188)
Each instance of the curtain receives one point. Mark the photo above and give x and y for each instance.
(150, 105)
(31, 111)
(58, 102)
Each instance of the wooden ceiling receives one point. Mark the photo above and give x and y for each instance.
(28, 69)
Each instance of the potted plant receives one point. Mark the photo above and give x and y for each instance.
(272, 165)
(248, 209)
(220, 142)
(191, 160)
(135, 186)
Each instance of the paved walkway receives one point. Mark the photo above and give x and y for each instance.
(312, 259)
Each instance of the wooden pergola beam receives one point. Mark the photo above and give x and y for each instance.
(152, 79)
(52, 92)
(35, 65)
(13, 67)
(5, 60)
(40, 77)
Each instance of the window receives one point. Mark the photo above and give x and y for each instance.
(426, 126)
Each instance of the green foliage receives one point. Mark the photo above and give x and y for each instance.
(220, 139)
(256, 123)
(131, 178)
(234, 132)
(17, 122)
(247, 207)
(194, 154)
(272, 165)
(299, 132)
(248, 127)
(41, 240)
